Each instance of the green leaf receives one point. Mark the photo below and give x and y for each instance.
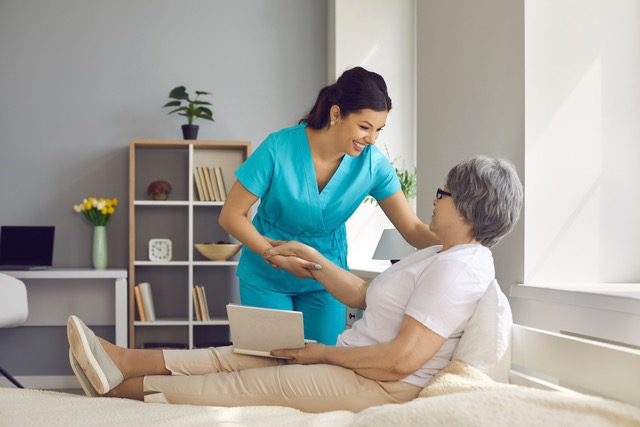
(201, 92)
(179, 92)
(202, 102)
(183, 108)
(205, 111)
(172, 104)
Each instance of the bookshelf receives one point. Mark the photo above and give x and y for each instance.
(185, 220)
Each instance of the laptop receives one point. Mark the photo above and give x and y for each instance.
(256, 331)
(26, 247)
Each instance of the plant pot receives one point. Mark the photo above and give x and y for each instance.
(190, 131)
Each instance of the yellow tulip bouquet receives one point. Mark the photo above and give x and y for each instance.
(97, 210)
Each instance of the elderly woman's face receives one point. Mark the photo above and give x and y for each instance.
(445, 214)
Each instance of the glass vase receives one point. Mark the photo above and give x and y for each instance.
(99, 247)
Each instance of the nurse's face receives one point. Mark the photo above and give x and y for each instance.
(359, 129)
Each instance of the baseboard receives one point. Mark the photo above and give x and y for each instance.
(46, 382)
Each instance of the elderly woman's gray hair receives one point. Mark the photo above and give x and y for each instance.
(488, 193)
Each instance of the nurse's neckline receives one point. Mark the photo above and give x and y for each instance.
(321, 146)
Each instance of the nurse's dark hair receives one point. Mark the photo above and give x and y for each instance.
(356, 89)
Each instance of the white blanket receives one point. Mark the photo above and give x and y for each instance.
(458, 396)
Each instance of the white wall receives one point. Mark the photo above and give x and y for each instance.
(582, 141)
(378, 35)
(470, 77)
(81, 78)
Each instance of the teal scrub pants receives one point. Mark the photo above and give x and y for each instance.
(324, 316)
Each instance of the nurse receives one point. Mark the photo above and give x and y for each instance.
(310, 178)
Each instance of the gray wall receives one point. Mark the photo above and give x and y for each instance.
(471, 99)
(80, 78)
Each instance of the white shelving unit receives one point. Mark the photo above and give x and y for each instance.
(185, 220)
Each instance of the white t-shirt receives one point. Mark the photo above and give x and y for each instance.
(439, 290)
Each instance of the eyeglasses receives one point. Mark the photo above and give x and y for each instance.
(441, 193)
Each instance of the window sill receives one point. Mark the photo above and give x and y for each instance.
(622, 297)
(606, 312)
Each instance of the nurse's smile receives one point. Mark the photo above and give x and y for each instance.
(358, 146)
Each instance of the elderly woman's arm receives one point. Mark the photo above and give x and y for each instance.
(414, 345)
(344, 286)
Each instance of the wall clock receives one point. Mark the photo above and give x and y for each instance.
(160, 250)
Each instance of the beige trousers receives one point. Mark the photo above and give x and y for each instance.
(220, 377)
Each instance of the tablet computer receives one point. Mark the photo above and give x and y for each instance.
(256, 331)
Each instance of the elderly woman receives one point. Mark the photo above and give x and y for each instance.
(415, 313)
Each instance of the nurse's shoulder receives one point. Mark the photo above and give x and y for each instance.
(286, 137)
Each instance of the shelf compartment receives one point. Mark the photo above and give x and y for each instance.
(167, 163)
(169, 334)
(169, 289)
(205, 336)
(221, 288)
(166, 222)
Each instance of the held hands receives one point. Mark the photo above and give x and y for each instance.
(294, 257)
(309, 354)
(294, 265)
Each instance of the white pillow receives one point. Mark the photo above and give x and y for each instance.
(486, 341)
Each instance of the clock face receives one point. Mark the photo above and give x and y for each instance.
(160, 250)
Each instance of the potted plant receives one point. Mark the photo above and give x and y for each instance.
(408, 179)
(194, 108)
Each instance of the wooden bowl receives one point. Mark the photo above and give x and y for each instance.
(218, 251)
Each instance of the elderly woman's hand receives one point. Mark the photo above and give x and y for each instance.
(309, 354)
(293, 264)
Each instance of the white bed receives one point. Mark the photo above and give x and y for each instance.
(459, 396)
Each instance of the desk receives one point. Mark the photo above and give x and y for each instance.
(53, 310)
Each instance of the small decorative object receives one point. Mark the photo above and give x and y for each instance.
(160, 250)
(194, 108)
(159, 190)
(220, 251)
(98, 211)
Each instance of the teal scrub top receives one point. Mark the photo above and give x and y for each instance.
(280, 172)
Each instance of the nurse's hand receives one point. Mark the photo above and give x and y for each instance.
(297, 249)
(294, 265)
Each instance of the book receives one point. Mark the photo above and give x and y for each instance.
(221, 187)
(214, 181)
(196, 178)
(138, 298)
(213, 188)
(205, 304)
(196, 304)
(203, 182)
(147, 301)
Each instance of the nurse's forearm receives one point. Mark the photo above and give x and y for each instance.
(421, 236)
(242, 229)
